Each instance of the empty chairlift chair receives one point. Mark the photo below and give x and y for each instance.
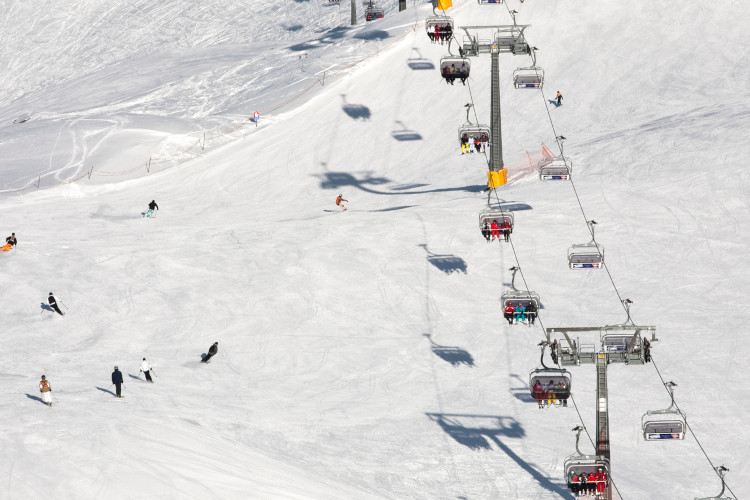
(528, 78)
(664, 424)
(555, 169)
(587, 255)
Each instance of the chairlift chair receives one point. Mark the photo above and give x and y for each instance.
(451, 68)
(490, 2)
(559, 168)
(625, 347)
(442, 22)
(664, 424)
(489, 214)
(515, 296)
(721, 471)
(550, 379)
(373, 13)
(528, 78)
(587, 255)
(576, 464)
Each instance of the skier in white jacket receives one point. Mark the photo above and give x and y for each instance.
(145, 368)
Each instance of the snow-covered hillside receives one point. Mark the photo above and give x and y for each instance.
(361, 354)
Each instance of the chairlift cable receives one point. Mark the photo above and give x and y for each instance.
(687, 424)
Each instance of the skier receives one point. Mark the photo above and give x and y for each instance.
(436, 36)
(145, 367)
(117, 381)
(539, 393)
(45, 388)
(464, 73)
(340, 202)
(477, 144)
(484, 140)
(431, 33)
(486, 231)
(495, 230)
(591, 481)
(562, 392)
(559, 98)
(10, 242)
(211, 352)
(509, 313)
(531, 311)
(151, 207)
(505, 228)
(53, 304)
(465, 143)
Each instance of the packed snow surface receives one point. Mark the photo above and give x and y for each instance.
(362, 354)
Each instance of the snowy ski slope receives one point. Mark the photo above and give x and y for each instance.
(361, 354)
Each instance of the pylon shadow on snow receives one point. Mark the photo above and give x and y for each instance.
(373, 35)
(338, 180)
(479, 432)
(453, 355)
(446, 262)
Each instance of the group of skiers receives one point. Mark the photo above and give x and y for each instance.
(492, 231)
(593, 483)
(440, 33)
(450, 73)
(480, 143)
(550, 393)
(520, 313)
(46, 388)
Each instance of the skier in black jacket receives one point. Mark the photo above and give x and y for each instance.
(151, 207)
(53, 304)
(117, 380)
(211, 351)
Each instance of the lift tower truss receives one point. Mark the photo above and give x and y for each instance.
(618, 344)
(495, 40)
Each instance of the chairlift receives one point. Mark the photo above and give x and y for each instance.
(721, 471)
(559, 168)
(490, 2)
(495, 214)
(587, 255)
(372, 13)
(474, 131)
(444, 24)
(578, 463)
(528, 78)
(515, 296)
(452, 67)
(669, 423)
(550, 384)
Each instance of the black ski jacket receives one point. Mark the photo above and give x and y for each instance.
(117, 377)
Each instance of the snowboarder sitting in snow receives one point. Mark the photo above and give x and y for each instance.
(211, 352)
(10, 241)
(340, 202)
(151, 207)
(53, 304)
(117, 381)
(45, 388)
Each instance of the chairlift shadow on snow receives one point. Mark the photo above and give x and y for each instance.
(328, 37)
(478, 432)
(106, 390)
(355, 111)
(373, 35)
(447, 263)
(338, 180)
(453, 355)
(35, 398)
(405, 134)
(294, 27)
(522, 393)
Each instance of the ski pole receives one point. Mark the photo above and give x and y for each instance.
(63, 303)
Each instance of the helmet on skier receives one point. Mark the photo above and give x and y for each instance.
(43, 377)
(116, 368)
(50, 293)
